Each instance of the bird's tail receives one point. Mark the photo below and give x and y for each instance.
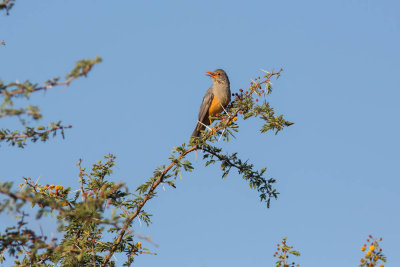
(197, 130)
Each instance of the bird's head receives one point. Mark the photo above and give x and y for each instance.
(218, 75)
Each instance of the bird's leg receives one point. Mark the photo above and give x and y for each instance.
(212, 129)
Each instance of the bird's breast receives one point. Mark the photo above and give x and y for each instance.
(222, 97)
(215, 107)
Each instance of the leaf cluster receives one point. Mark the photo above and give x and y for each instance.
(85, 215)
(255, 178)
(10, 91)
(283, 251)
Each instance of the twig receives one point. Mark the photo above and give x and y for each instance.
(119, 206)
(81, 179)
(5, 114)
(46, 87)
(15, 137)
(94, 255)
(141, 204)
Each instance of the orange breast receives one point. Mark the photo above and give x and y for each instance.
(215, 107)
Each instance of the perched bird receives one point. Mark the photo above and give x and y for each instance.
(215, 100)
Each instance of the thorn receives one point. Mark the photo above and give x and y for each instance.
(229, 115)
(204, 125)
(221, 135)
(265, 71)
(38, 180)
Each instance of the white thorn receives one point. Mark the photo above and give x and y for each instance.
(221, 135)
(22, 188)
(204, 125)
(38, 179)
(229, 115)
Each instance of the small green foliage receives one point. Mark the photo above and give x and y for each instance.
(283, 251)
(83, 67)
(14, 90)
(83, 216)
(42, 133)
(255, 178)
(32, 111)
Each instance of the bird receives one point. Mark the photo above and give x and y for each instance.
(217, 97)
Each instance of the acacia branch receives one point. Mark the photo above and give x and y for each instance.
(53, 205)
(81, 173)
(7, 5)
(82, 68)
(142, 203)
(26, 198)
(30, 135)
(7, 113)
(45, 87)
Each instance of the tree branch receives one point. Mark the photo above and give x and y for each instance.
(16, 137)
(22, 89)
(7, 5)
(141, 204)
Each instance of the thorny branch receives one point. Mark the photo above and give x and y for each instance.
(16, 137)
(21, 90)
(81, 173)
(53, 205)
(140, 206)
(7, 5)
(25, 89)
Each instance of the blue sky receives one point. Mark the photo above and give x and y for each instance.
(336, 168)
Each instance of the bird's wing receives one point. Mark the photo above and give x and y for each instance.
(205, 105)
(203, 113)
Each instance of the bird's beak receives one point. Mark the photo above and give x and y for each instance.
(211, 74)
